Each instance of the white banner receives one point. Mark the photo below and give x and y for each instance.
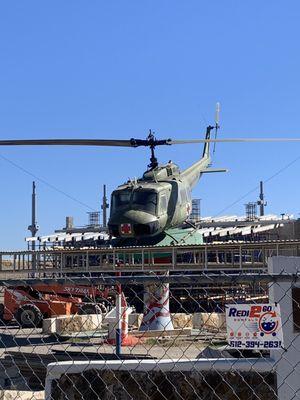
(254, 326)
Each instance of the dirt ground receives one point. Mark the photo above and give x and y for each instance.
(33, 341)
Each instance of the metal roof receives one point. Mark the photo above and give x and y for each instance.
(69, 237)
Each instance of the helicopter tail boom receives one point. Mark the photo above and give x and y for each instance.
(194, 172)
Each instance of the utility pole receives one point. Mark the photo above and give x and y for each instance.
(104, 207)
(33, 228)
(261, 202)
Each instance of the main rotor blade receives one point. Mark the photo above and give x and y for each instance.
(230, 140)
(132, 142)
(66, 142)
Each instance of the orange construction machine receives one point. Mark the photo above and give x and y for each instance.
(28, 305)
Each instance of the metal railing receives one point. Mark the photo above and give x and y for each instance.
(207, 257)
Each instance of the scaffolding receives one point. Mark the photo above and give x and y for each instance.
(195, 214)
(251, 211)
(94, 218)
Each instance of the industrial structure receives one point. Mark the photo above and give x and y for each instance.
(33, 228)
(196, 211)
(104, 208)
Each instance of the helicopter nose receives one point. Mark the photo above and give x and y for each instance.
(134, 223)
(146, 229)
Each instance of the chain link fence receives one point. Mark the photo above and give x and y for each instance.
(151, 336)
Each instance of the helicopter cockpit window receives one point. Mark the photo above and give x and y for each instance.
(145, 200)
(120, 199)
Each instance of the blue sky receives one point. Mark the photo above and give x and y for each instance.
(115, 69)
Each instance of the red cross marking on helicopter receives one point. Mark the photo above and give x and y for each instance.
(126, 229)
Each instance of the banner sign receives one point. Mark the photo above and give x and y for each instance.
(254, 326)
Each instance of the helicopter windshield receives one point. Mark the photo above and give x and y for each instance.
(121, 199)
(145, 200)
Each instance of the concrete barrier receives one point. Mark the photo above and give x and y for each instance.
(139, 379)
(214, 321)
(64, 325)
(21, 395)
(135, 320)
(182, 320)
(110, 316)
(197, 321)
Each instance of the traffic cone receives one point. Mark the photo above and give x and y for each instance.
(126, 338)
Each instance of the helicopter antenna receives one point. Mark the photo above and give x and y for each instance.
(217, 126)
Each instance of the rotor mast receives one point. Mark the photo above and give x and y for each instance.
(153, 160)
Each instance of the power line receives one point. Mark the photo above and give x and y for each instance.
(257, 186)
(45, 182)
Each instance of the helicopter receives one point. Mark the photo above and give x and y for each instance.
(162, 198)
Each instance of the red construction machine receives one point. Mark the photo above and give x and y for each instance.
(29, 305)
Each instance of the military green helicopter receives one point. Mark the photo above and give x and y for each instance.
(162, 199)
